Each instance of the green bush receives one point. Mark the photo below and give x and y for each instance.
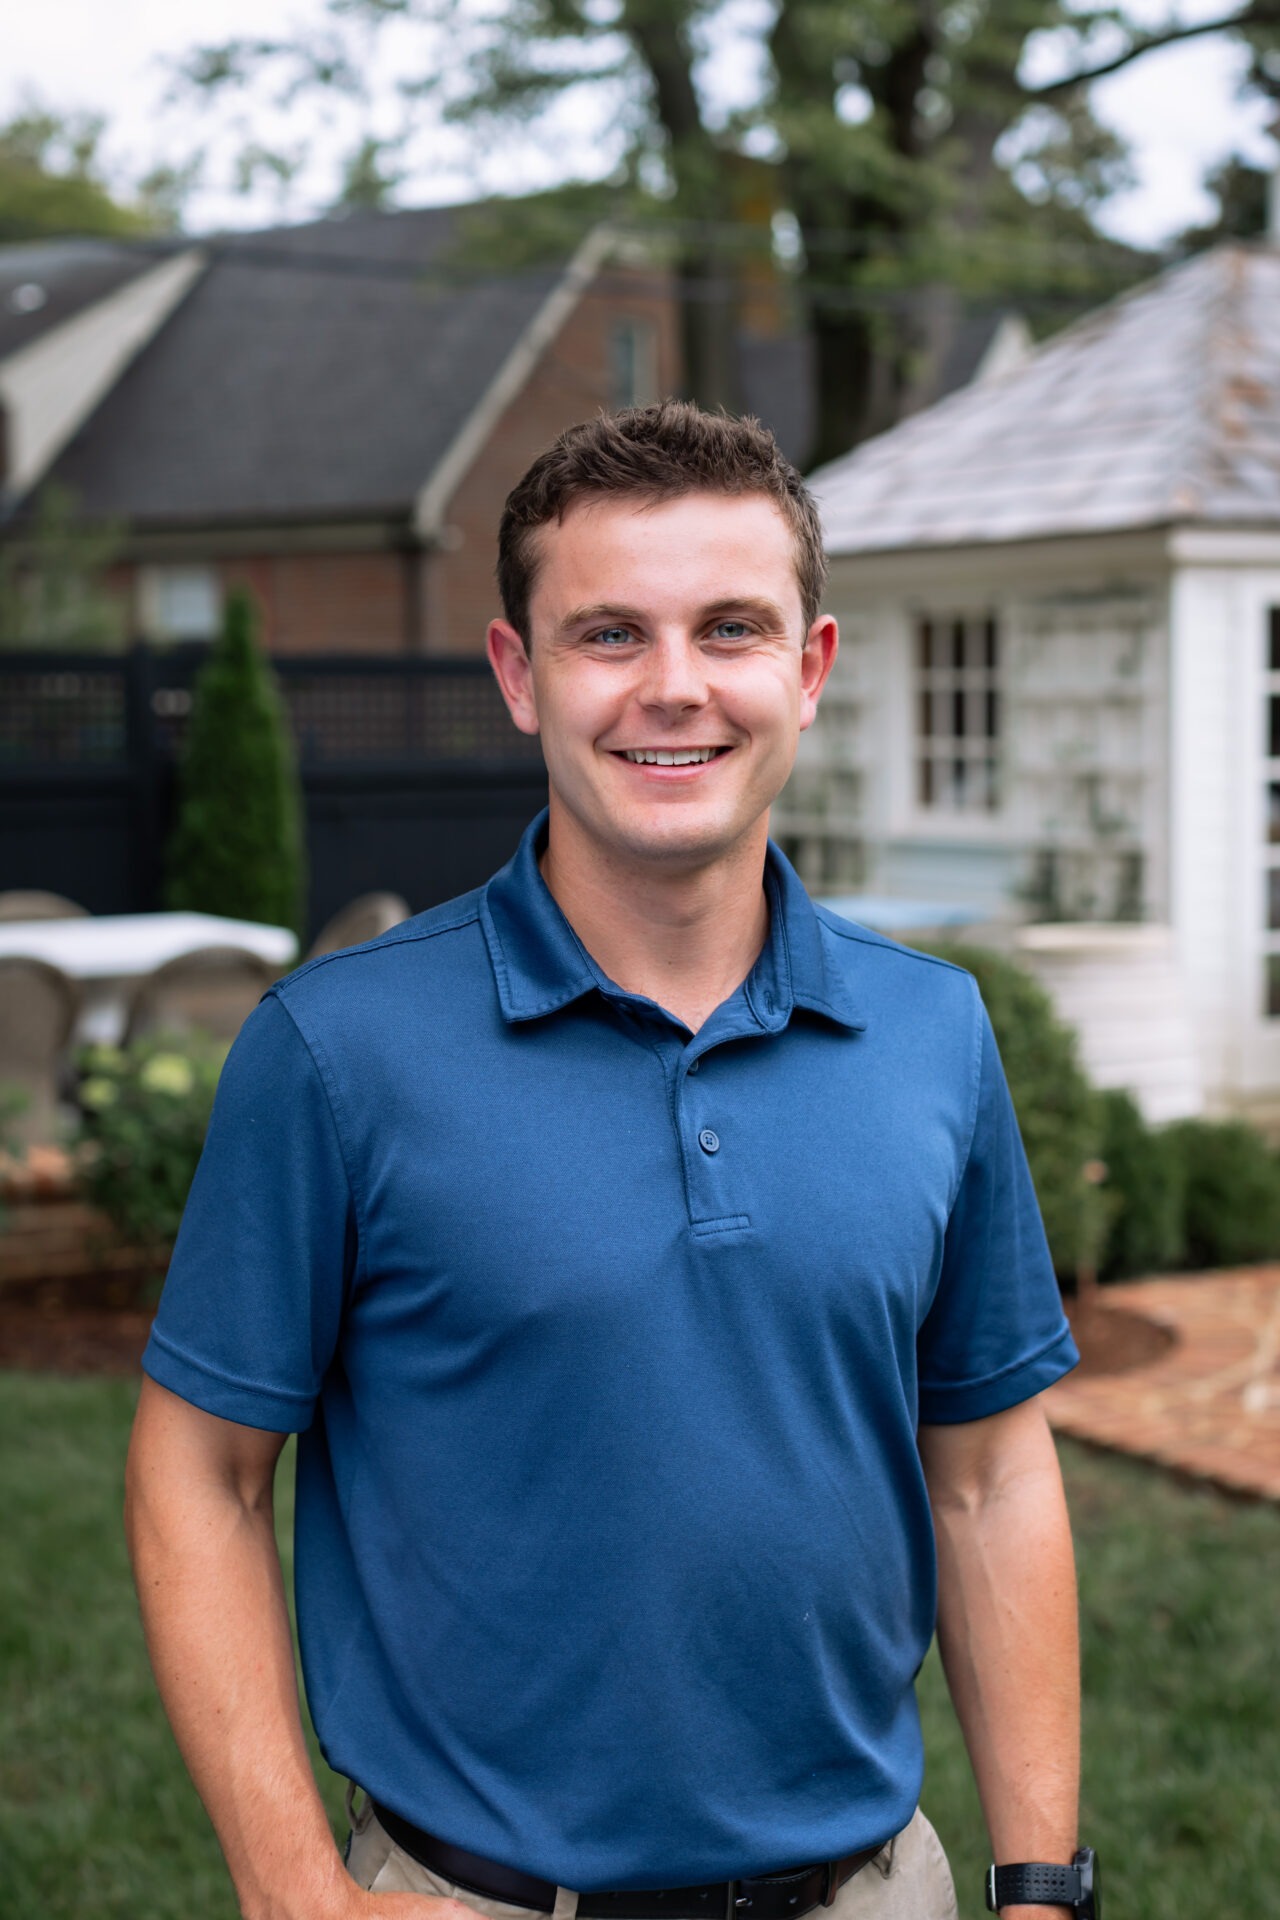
(1147, 1180)
(237, 843)
(1232, 1192)
(1058, 1111)
(144, 1114)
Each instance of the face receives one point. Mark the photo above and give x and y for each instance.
(669, 675)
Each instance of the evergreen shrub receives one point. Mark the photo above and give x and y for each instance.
(1147, 1181)
(1232, 1192)
(237, 843)
(1058, 1111)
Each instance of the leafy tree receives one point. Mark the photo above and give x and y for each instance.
(51, 579)
(237, 843)
(921, 166)
(50, 182)
(1241, 192)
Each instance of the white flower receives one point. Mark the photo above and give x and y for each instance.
(167, 1073)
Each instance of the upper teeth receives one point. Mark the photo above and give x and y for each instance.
(657, 757)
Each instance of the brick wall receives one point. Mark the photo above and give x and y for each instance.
(393, 601)
(318, 602)
(331, 602)
(571, 383)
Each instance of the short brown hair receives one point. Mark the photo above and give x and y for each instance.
(654, 453)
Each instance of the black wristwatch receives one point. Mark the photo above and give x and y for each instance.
(1034, 1883)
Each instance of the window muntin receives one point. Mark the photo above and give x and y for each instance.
(958, 713)
(1269, 893)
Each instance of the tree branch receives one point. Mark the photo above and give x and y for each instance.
(1263, 13)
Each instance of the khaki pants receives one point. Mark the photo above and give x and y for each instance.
(907, 1880)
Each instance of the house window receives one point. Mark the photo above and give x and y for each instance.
(958, 713)
(1270, 902)
(633, 363)
(180, 603)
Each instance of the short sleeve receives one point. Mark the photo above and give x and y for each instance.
(252, 1305)
(995, 1333)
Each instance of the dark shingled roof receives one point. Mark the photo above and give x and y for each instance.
(48, 281)
(313, 372)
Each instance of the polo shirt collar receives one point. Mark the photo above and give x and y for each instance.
(540, 965)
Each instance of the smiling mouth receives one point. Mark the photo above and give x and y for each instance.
(671, 756)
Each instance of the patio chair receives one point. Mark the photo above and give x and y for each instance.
(361, 919)
(212, 990)
(38, 1006)
(33, 904)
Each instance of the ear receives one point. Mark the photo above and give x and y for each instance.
(822, 643)
(514, 674)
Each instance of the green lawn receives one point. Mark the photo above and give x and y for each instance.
(1181, 1676)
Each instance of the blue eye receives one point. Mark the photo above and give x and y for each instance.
(731, 629)
(613, 636)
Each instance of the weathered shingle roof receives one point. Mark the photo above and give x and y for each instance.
(1163, 406)
(49, 281)
(313, 371)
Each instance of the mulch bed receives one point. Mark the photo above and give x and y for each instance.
(96, 1324)
(92, 1324)
(1114, 1339)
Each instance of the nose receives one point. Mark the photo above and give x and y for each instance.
(674, 678)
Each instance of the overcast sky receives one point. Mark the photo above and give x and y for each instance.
(1179, 108)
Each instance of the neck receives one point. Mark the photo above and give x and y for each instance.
(684, 939)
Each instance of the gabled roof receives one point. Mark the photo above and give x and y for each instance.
(47, 281)
(1162, 407)
(319, 371)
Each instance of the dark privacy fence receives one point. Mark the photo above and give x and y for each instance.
(413, 775)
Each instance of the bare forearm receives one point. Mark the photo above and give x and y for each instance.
(1007, 1632)
(217, 1627)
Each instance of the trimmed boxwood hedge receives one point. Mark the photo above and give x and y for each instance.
(1147, 1179)
(1059, 1113)
(1195, 1194)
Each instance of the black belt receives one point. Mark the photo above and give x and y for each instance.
(762, 1896)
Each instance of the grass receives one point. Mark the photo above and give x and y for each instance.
(1182, 1684)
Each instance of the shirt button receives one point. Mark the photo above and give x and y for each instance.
(694, 1065)
(709, 1141)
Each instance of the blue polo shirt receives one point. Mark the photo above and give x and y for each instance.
(607, 1345)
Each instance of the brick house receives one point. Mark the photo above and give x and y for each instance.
(330, 413)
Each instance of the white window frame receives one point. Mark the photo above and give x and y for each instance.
(1267, 908)
(180, 602)
(958, 717)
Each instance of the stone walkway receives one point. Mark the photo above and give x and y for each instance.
(1208, 1407)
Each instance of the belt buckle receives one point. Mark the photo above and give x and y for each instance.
(733, 1899)
(832, 1886)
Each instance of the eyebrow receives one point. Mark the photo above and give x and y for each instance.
(764, 611)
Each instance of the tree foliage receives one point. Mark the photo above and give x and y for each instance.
(52, 182)
(921, 166)
(237, 843)
(52, 591)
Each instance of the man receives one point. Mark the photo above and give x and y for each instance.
(640, 1254)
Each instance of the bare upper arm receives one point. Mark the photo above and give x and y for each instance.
(178, 1446)
(976, 1460)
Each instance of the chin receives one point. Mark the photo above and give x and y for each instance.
(680, 843)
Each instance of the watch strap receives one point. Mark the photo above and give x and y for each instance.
(1034, 1883)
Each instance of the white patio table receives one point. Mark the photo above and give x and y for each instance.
(106, 954)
